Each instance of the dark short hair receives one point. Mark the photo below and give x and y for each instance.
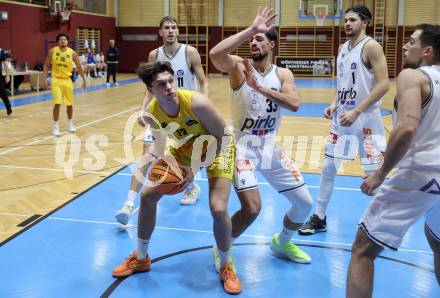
(272, 34)
(61, 35)
(430, 37)
(363, 12)
(167, 19)
(148, 72)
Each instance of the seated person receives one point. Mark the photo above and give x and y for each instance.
(91, 65)
(101, 66)
(18, 79)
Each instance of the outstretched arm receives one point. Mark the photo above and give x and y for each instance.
(220, 54)
(210, 119)
(409, 89)
(196, 65)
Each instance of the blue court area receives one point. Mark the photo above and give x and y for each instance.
(72, 252)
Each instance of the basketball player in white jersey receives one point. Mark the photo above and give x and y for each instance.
(259, 91)
(355, 112)
(414, 148)
(187, 67)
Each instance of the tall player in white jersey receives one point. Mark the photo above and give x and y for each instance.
(356, 119)
(186, 63)
(259, 91)
(413, 147)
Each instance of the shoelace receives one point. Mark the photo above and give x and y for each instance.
(228, 273)
(315, 220)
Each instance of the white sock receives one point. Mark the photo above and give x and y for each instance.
(285, 235)
(224, 257)
(142, 248)
(130, 198)
(69, 121)
(55, 123)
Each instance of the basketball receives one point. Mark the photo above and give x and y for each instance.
(171, 183)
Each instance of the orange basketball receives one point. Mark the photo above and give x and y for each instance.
(171, 183)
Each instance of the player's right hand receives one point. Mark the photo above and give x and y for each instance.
(45, 85)
(141, 120)
(328, 112)
(189, 177)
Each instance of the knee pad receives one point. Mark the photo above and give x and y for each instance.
(330, 168)
(328, 176)
(301, 204)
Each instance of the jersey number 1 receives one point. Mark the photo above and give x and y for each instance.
(352, 76)
(180, 82)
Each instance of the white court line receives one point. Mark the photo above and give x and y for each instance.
(81, 126)
(129, 174)
(54, 170)
(203, 231)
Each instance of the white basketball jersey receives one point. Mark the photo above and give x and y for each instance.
(185, 78)
(252, 112)
(355, 78)
(425, 149)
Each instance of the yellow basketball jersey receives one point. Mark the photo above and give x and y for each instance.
(189, 127)
(62, 63)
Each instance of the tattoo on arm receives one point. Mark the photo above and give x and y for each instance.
(411, 116)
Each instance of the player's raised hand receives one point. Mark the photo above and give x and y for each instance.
(264, 21)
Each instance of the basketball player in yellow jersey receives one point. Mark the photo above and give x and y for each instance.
(187, 116)
(62, 58)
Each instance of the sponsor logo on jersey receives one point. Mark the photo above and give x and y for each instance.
(190, 122)
(259, 123)
(344, 96)
(353, 65)
(180, 72)
(431, 187)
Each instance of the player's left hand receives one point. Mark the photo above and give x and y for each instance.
(371, 182)
(264, 21)
(249, 75)
(348, 117)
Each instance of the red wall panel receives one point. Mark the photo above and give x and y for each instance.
(30, 27)
(133, 52)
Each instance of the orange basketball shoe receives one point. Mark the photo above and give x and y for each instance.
(231, 282)
(132, 265)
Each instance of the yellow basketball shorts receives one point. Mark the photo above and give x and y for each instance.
(62, 91)
(221, 166)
